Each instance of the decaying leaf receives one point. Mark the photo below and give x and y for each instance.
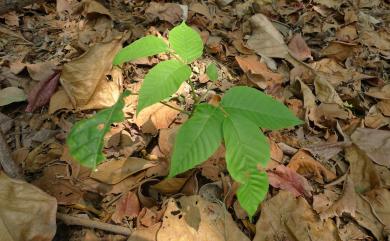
(299, 48)
(11, 94)
(41, 93)
(127, 206)
(170, 12)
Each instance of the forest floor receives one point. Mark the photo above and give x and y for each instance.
(327, 60)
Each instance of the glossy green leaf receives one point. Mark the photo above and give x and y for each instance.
(212, 72)
(186, 42)
(162, 81)
(246, 147)
(265, 111)
(251, 193)
(197, 139)
(85, 140)
(143, 47)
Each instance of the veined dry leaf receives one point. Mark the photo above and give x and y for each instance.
(195, 219)
(127, 206)
(84, 78)
(375, 143)
(114, 171)
(323, 201)
(287, 179)
(308, 167)
(26, 212)
(382, 93)
(285, 217)
(362, 171)
(156, 117)
(299, 48)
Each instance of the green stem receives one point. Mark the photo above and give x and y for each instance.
(175, 108)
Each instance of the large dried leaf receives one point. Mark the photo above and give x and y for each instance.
(285, 217)
(82, 77)
(127, 206)
(41, 93)
(11, 94)
(26, 212)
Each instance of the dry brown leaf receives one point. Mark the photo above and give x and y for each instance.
(145, 234)
(156, 117)
(41, 94)
(287, 179)
(166, 140)
(325, 92)
(195, 219)
(90, 8)
(215, 165)
(382, 93)
(59, 100)
(27, 213)
(299, 48)
(362, 171)
(170, 185)
(38, 71)
(10, 95)
(378, 39)
(374, 118)
(285, 217)
(266, 39)
(375, 143)
(84, 78)
(384, 107)
(170, 12)
(338, 50)
(308, 167)
(114, 171)
(325, 151)
(127, 206)
(323, 201)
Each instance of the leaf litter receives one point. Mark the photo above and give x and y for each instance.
(327, 60)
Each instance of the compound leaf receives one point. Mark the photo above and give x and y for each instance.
(143, 47)
(186, 42)
(162, 81)
(246, 147)
(85, 140)
(197, 139)
(251, 193)
(265, 111)
(212, 72)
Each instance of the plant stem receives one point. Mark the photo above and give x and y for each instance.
(193, 93)
(175, 108)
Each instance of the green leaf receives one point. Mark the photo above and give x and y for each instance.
(212, 72)
(85, 140)
(186, 42)
(251, 193)
(265, 111)
(143, 47)
(197, 139)
(246, 146)
(162, 81)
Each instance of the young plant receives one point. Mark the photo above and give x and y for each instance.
(235, 121)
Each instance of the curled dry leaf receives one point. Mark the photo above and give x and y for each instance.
(26, 213)
(11, 94)
(114, 171)
(170, 185)
(375, 143)
(285, 217)
(307, 166)
(325, 92)
(382, 93)
(89, 8)
(287, 179)
(193, 218)
(84, 79)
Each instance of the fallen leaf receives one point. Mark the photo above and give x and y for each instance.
(375, 143)
(127, 206)
(39, 71)
(41, 94)
(362, 171)
(338, 50)
(166, 140)
(382, 93)
(59, 100)
(170, 185)
(384, 107)
(299, 48)
(11, 94)
(6, 123)
(89, 8)
(170, 12)
(27, 213)
(308, 167)
(285, 217)
(84, 79)
(193, 218)
(287, 179)
(145, 234)
(325, 92)
(156, 117)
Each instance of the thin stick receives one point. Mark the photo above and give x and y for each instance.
(71, 220)
(6, 161)
(175, 108)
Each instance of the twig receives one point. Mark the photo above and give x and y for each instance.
(71, 220)
(175, 108)
(6, 161)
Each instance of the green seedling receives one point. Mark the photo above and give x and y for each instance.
(235, 121)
